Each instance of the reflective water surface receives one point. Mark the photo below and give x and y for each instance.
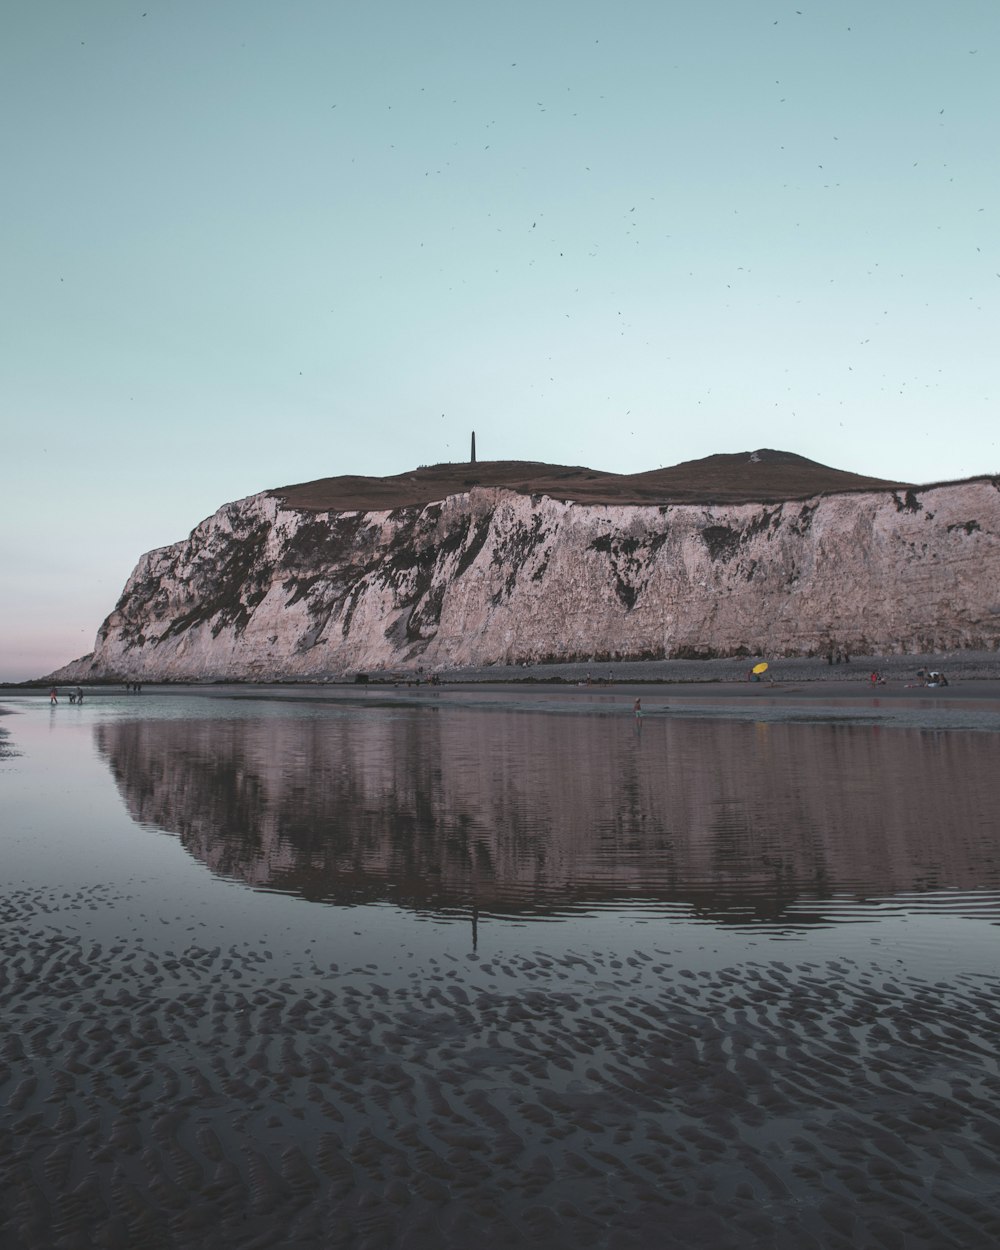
(522, 813)
(291, 972)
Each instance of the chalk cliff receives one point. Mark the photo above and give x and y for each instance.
(272, 588)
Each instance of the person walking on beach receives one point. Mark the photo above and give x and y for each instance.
(79, 694)
(53, 695)
(637, 707)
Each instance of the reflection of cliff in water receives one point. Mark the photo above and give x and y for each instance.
(527, 812)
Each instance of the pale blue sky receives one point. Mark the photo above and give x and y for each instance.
(247, 243)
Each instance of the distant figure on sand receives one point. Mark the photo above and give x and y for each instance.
(637, 707)
(53, 695)
(79, 694)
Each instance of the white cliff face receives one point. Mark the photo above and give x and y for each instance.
(261, 591)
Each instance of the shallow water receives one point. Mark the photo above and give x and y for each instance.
(441, 975)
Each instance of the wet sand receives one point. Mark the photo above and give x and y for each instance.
(973, 677)
(577, 694)
(972, 703)
(158, 1092)
(201, 1099)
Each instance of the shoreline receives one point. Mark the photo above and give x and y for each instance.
(970, 704)
(958, 667)
(970, 674)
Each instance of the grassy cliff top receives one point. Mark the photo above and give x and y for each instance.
(744, 477)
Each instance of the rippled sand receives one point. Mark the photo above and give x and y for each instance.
(199, 1099)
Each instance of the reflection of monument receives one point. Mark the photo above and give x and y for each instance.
(529, 812)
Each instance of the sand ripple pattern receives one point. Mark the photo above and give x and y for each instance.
(195, 1099)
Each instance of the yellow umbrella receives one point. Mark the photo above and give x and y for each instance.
(760, 668)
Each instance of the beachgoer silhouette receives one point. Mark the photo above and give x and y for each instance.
(637, 707)
(53, 695)
(79, 694)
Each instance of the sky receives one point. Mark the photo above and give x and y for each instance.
(246, 244)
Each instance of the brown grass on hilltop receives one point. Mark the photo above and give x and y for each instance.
(745, 477)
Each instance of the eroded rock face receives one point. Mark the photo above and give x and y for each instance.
(262, 591)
